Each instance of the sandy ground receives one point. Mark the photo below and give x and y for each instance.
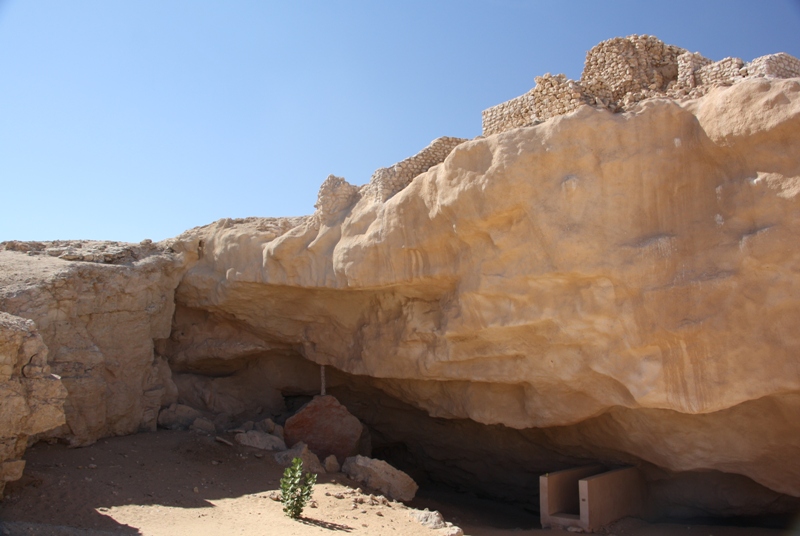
(174, 483)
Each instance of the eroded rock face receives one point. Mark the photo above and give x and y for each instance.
(99, 319)
(625, 280)
(31, 397)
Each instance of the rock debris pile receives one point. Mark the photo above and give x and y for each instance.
(623, 71)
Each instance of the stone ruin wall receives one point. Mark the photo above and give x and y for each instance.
(517, 112)
(617, 74)
(622, 71)
(688, 64)
(336, 193)
(628, 66)
(386, 182)
(780, 65)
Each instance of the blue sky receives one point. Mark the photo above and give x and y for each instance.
(132, 120)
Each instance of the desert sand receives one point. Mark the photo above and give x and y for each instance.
(182, 482)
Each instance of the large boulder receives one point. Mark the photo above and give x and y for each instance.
(326, 427)
(379, 475)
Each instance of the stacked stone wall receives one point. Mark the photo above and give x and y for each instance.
(688, 63)
(780, 65)
(335, 195)
(556, 95)
(515, 113)
(386, 182)
(629, 65)
(725, 71)
(623, 71)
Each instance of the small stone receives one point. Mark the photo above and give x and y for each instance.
(433, 520)
(332, 464)
(260, 440)
(203, 425)
(223, 440)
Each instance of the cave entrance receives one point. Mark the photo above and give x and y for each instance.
(456, 462)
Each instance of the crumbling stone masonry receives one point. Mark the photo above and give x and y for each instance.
(386, 182)
(780, 65)
(634, 65)
(336, 193)
(622, 71)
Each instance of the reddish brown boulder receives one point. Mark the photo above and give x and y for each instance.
(326, 427)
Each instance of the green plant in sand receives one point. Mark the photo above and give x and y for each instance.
(296, 488)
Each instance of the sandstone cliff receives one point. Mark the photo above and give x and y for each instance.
(613, 287)
(626, 281)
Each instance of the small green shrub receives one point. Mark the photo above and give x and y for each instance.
(296, 488)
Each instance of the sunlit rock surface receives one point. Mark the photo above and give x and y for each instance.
(98, 308)
(31, 397)
(625, 281)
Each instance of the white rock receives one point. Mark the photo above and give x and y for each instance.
(379, 475)
(431, 519)
(260, 440)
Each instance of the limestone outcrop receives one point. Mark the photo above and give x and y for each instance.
(636, 267)
(31, 397)
(601, 287)
(98, 308)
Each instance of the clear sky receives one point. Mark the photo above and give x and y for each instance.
(125, 120)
